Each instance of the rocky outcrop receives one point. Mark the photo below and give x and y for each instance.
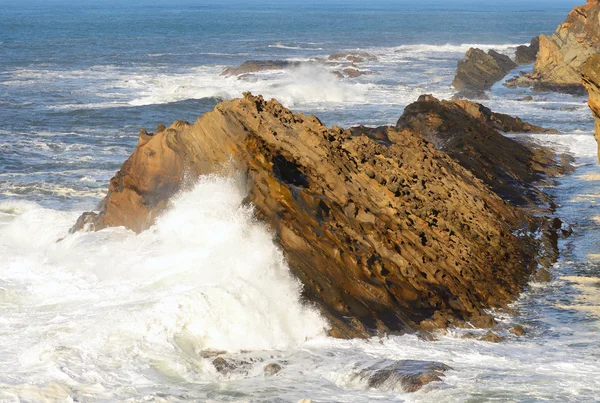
(480, 71)
(562, 54)
(386, 232)
(526, 54)
(591, 81)
(254, 66)
(468, 132)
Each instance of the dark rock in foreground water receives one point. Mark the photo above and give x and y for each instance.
(385, 231)
(591, 81)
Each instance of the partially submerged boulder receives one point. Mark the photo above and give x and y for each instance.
(562, 54)
(386, 232)
(468, 132)
(591, 81)
(480, 71)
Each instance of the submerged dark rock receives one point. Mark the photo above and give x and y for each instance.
(386, 232)
(401, 376)
(480, 71)
(526, 54)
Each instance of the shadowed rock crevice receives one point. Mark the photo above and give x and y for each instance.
(385, 232)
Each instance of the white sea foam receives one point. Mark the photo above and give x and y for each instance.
(281, 45)
(206, 276)
(304, 85)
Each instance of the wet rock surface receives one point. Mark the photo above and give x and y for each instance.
(562, 54)
(401, 376)
(254, 66)
(591, 82)
(480, 71)
(386, 232)
(526, 54)
(468, 132)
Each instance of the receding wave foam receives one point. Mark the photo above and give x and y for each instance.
(206, 276)
(299, 86)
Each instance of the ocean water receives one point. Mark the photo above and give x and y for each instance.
(114, 316)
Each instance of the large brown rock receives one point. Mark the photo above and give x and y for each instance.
(562, 54)
(480, 71)
(591, 81)
(468, 132)
(386, 232)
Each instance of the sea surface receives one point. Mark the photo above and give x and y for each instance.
(114, 316)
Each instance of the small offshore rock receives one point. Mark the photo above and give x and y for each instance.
(562, 55)
(517, 330)
(492, 337)
(272, 369)
(591, 82)
(480, 71)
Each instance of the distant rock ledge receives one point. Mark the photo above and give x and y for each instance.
(385, 229)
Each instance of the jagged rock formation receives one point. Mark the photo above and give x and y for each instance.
(591, 81)
(562, 54)
(386, 232)
(480, 71)
(468, 132)
(526, 54)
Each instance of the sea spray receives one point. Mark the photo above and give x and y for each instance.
(206, 276)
